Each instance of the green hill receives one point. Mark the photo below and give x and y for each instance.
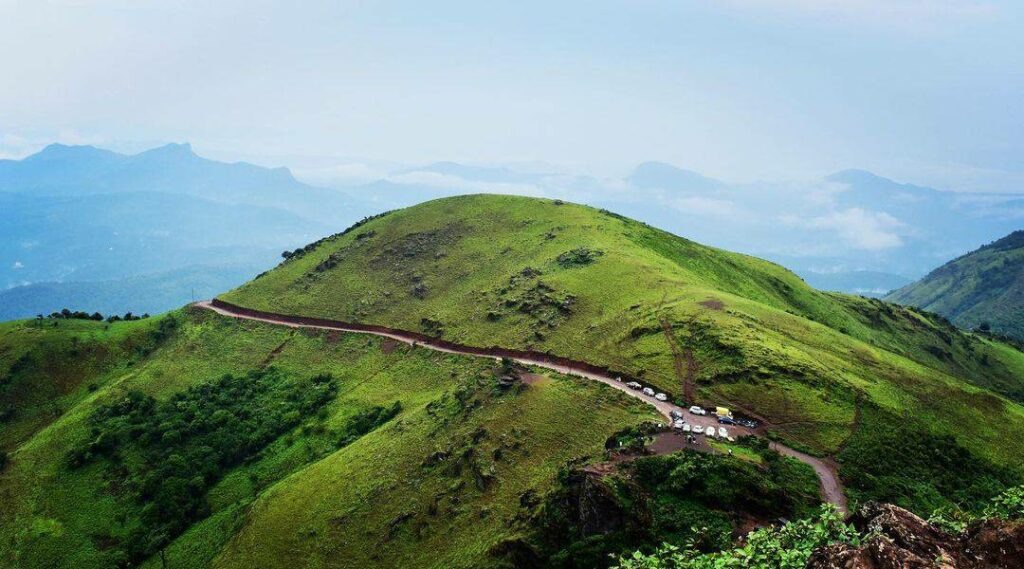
(984, 288)
(196, 440)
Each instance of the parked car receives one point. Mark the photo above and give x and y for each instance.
(686, 428)
(726, 420)
(633, 385)
(648, 391)
(723, 433)
(710, 432)
(697, 410)
(661, 397)
(675, 414)
(748, 423)
(698, 430)
(678, 424)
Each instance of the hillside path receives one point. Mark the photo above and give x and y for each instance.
(830, 486)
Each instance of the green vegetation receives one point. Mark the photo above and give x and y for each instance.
(167, 455)
(312, 447)
(786, 547)
(790, 546)
(829, 372)
(900, 463)
(684, 498)
(982, 289)
(317, 448)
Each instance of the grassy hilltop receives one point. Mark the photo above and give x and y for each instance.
(837, 375)
(195, 440)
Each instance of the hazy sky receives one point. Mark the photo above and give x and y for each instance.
(930, 91)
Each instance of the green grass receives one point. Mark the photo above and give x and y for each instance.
(443, 483)
(979, 289)
(761, 340)
(446, 402)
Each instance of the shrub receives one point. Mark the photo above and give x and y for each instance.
(578, 257)
(168, 454)
(786, 547)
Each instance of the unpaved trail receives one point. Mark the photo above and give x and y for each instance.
(685, 364)
(830, 486)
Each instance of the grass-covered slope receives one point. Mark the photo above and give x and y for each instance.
(832, 373)
(236, 444)
(984, 288)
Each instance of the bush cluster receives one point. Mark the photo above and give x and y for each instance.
(168, 454)
(67, 314)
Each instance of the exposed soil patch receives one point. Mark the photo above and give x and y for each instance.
(388, 345)
(684, 362)
(672, 441)
(530, 378)
(275, 352)
(713, 304)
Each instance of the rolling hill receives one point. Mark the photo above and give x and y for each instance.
(195, 440)
(984, 288)
(833, 373)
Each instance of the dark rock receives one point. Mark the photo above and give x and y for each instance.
(900, 539)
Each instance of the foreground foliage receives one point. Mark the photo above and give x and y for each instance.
(785, 547)
(791, 545)
(683, 498)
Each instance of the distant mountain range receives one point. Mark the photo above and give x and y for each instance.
(93, 229)
(80, 214)
(984, 288)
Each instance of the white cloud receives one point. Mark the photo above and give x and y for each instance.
(17, 265)
(857, 228)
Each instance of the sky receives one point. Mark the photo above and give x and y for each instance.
(925, 91)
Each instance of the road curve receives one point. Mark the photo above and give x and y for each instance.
(830, 486)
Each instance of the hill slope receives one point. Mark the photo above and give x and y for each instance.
(838, 375)
(195, 440)
(365, 464)
(982, 288)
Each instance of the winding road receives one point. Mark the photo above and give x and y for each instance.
(830, 486)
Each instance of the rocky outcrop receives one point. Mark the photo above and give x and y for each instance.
(898, 539)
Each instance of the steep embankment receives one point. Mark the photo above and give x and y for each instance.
(590, 285)
(984, 288)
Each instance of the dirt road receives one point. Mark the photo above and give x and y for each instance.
(830, 486)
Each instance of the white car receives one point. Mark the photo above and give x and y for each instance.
(633, 385)
(697, 410)
(686, 428)
(661, 397)
(723, 433)
(710, 432)
(698, 430)
(678, 424)
(648, 391)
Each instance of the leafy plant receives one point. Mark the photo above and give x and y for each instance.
(785, 547)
